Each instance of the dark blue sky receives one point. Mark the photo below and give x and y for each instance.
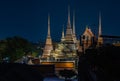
(28, 18)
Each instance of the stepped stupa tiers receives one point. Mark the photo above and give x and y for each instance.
(69, 36)
(48, 45)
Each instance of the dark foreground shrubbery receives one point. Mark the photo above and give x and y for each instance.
(100, 64)
(19, 72)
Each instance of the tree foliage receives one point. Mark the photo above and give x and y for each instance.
(14, 48)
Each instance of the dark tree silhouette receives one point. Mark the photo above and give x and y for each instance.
(14, 48)
(19, 72)
(100, 64)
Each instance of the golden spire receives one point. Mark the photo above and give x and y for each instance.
(69, 25)
(100, 31)
(69, 37)
(100, 39)
(48, 25)
(74, 35)
(63, 37)
(73, 22)
(48, 45)
(63, 32)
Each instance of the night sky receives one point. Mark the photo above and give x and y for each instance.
(28, 18)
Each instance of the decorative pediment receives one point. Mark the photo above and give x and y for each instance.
(88, 32)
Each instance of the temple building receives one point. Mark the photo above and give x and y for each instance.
(87, 38)
(66, 50)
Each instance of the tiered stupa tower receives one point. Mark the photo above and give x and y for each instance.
(48, 46)
(69, 36)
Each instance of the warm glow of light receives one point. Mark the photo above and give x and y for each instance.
(61, 64)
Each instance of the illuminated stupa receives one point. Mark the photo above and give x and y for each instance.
(48, 45)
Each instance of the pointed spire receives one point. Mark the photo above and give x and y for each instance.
(48, 25)
(100, 31)
(69, 37)
(87, 27)
(48, 45)
(69, 15)
(73, 32)
(74, 22)
(100, 39)
(30, 62)
(63, 32)
(63, 37)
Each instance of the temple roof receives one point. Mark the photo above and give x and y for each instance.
(88, 32)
